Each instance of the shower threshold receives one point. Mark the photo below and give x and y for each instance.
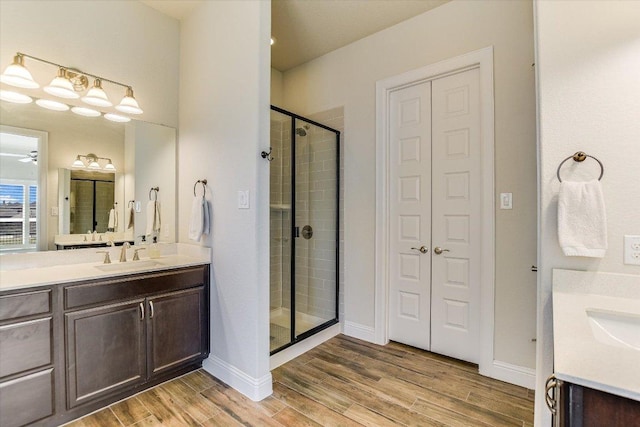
(280, 326)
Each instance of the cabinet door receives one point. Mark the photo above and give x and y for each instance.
(176, 329)
(105, 350)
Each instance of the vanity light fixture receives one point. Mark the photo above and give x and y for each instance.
(92, 161)
(61, 86)
(52, 105)
(15, 97)
(97, 96)
(68, 84)
(17, 74)
(117, 118)
(129, 104)
(87, 112)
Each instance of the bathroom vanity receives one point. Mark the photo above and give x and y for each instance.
(69, 348)
(596, 326)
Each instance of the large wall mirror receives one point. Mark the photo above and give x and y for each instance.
(43, 196)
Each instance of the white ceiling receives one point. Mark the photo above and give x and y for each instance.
(307, 29)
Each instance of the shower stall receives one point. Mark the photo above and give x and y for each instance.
(304, 210)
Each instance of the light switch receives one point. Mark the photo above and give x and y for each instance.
(137, 207)
(506, 200)
(243, 199)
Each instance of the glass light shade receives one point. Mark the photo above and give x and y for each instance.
(52, 105)
(15, 97)
(94, 164)
(77, 163)
(117, 118)
(97, 96)
(109, 166)
(87, 112)
(129, 104)
(62, 87)
(17, 75)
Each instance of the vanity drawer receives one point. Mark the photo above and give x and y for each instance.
(25, 345)
(15, 306)
(134, 286)
(26, 399)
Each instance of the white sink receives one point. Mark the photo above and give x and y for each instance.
(128, 266)
(618, 329)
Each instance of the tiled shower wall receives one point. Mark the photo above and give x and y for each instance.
(315, 206)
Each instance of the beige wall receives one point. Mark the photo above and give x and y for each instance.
(276, 88)
(588, 56)
(224, 125)
(347, 77)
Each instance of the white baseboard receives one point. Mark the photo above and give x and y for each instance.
(255, 389)
(362, 332)
(282, 357)
(512, 374)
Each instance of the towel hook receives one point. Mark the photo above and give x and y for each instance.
(580, 156)
(266, 155)
(154, 190)
(204, 187)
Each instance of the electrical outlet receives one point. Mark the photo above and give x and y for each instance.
(632, 250)
(54, 211)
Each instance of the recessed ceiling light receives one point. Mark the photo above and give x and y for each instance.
(87, 112)
(52, 105)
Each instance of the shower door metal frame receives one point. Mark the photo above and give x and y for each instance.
(293, 338)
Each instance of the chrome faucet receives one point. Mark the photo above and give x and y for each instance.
(123, 252)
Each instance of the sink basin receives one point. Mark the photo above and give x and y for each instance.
(615, 328)
(127, 266)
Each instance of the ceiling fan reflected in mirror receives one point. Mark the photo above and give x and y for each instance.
(31, 157)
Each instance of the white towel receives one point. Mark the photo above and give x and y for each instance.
(582, 220)
(153, 217)
(198, 218)
(206, 225)
(113, 220)
(132, 217)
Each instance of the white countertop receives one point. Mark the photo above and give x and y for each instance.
(18, 271)
(584, 353)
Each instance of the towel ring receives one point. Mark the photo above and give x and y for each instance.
(579, 157)
(204, 187)
(154, 190)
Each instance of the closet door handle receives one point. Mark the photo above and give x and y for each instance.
(422, 249)
(141, 311)
(438, 250)
(151, 312)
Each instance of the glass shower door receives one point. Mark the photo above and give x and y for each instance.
(315, 233)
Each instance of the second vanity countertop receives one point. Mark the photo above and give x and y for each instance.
(19, 271)
(596, 323)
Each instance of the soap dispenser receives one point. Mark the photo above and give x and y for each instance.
(154, 248)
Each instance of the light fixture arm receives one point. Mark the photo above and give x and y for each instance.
(74, 70)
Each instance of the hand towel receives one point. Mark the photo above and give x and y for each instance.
(206, 225)
(153, 217)
(197, 219)
(132, 216)
(582, 220)
(113, 220)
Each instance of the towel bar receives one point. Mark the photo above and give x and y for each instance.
(579, 157)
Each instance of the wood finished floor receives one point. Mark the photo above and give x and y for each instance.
(343, 382)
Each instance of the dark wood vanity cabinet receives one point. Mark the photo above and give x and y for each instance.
(122, 334)
(26, 357)
(580, 406)
(70, 349)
